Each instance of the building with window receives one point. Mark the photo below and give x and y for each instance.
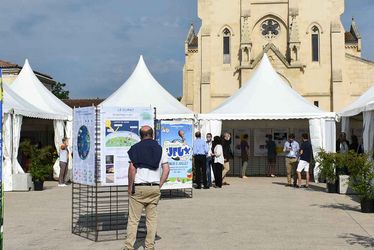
(304, 39)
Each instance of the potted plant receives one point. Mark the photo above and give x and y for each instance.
(41, 162)
(362, 179)
(327, 165)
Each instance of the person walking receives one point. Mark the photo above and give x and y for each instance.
(227, 154)
(291, 148)
(209, 160)
(271, 155)
(148, 171)
(244, 152)
(200, 151)
(305, 159)
(64, 161)
(217, 153)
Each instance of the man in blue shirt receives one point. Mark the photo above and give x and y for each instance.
(200, 151)
(291, 148)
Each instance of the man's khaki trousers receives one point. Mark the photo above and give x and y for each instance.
(144, 197)
(291, 168)
(226, 169)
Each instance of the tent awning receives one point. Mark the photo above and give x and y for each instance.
(142, 90)
(364, 103)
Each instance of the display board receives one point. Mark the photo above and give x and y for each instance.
(1, 163)
(259, 140)
(280, 136)
(84, 145)
(176, 138)
(238, 136)
(119, 131)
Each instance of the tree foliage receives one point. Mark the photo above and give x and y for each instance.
(58, 89)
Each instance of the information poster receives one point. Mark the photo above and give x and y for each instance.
(1, 164)
(238, 137)
(176, 140)
(84, 145)
(280, 136)
(260, 141)
(119, 131)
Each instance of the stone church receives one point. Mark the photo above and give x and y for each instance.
(304, 39)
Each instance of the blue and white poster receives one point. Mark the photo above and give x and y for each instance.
(176, 140)
(84, 145)
(1, 162)
(119, 131)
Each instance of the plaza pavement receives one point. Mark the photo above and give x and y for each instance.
(256, 213)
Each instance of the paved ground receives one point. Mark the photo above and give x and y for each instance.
(257, 213)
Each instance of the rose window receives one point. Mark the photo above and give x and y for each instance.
(270, 28)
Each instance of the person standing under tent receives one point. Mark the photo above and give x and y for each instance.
(271, 155)
(355, 145)
(227, 154)
(342, 147)
(218, 159)
(209, 160)
(306, 154)
(291, 148)
(64, 160)
(148, 171)
(244, 152)
(200, 151)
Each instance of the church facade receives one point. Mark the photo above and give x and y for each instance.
(304, 39)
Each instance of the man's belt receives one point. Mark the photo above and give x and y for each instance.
(147, 184)
(291, 157)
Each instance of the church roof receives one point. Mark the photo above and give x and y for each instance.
(266, 96)
(350, 38)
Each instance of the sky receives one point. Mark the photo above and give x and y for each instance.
(94, 45)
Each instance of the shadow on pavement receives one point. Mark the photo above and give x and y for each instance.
(355, 239)
(339, 206)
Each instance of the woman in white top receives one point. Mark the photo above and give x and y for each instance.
(217, 153)
(64, 159)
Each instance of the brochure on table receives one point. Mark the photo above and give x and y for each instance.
(176, 138)
(119, 131)
(84, 145)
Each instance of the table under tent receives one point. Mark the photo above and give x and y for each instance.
(266, 104)
(57, 116)
(358, 119)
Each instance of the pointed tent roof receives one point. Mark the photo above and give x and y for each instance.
(13, 103)
(28, 86)
(142, 90)
(266, 96)
(364, 103)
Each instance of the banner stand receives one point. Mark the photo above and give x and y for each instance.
(99, 212)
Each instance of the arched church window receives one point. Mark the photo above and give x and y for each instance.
(270, 28)
(315, 44)
(226, 46)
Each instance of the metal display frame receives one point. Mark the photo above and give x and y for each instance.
(99, 213)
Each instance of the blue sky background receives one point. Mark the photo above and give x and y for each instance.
(93, 46)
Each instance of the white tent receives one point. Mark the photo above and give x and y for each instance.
(365, 105)
(142, 90)
(29, 88)
(266, 96)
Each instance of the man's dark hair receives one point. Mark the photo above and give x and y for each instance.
(291, 136)
(146, 131)
(198, 134)
(245, 136)
(209, 134)
(305, 136)
(270, 137)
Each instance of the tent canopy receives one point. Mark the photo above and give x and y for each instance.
(363, 103)
(142, 90)
(266, 96)
(13, 103)
(28, 87)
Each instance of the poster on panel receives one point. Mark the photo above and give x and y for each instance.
(1, 163)
(119, 131)
(280, 136)
(84, 145)
(259, 140)
(177, 140)
(238, 137)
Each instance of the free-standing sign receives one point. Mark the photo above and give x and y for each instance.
(84, 145)
(119, 131)
(176, 140)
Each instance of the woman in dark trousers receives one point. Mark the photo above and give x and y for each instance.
(217, 153)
